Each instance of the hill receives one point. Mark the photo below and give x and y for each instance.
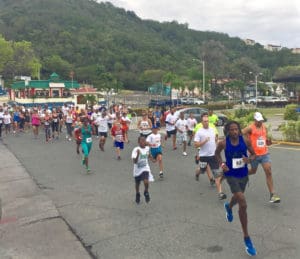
(93, 38)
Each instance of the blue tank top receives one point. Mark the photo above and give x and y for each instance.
(233, 155)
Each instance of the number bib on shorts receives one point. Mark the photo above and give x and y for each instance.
(237, 163)
(88, 140)
(203, 164)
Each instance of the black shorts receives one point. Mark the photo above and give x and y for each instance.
(237, 184)
(143, 176)
(213, 164)
(190, 133)
(103, 134)
(171, 132)
(145, 135)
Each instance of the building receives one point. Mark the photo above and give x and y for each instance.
(54, 91)
(271, 47)
(249, 42)
(296, 50)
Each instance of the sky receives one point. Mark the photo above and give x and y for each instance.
(275, 22)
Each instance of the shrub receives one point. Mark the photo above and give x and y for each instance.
(291, 130)
(290, 112)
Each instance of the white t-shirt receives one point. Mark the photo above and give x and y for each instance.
(191, 123)
(209, 148)
(145, 127)
(142, 164)
(154, 140)
(7, 118)
(171, 118)
(181, 125)
(102, 123)
(1, 117)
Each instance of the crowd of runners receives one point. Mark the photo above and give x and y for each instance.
(241, 146)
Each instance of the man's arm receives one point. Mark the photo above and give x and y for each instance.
(219, 149)
(250, 149)
(246, 131)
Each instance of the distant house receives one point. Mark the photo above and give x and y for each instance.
(271, 47)
(249, 42)
(296, 50)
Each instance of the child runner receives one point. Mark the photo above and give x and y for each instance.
(86, 143)
(118, 135)
(141, 168)
(181, 129)
(154, 142)
(102, 126)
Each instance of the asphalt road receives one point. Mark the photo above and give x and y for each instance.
(184, 218)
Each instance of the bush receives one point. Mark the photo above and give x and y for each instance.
(290, 112)
(291, 131)
(244, 116)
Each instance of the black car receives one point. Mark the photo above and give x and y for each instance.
(197, 111)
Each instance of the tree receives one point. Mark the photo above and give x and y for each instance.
(56, 64)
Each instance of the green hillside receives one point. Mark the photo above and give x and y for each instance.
(101, 42)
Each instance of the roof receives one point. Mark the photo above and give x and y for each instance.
(44, 84)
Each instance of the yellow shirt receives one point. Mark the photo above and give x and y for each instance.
(199, 126)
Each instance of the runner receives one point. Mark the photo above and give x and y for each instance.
(206, 139)
(1, 120)
(55, 124)
(236, 173)
(144, 125)
(16, 120)
(35, 122)
(7, 121)
(181, 129)
(141, 169)
(258, 135)
(77, 134)
(125, 121)
(154, 142)
(118, 135)
(102, 126)
(170, 127)
(47, 125)
(158, 116)
(86, 143)
(191, 123)
(69, 122)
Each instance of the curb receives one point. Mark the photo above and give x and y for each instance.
(282, 142)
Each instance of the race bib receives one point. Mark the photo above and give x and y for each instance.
(55, 120)
(88, 140)
(203, 164)
(237, 163)
(261, 142)
(141, 164)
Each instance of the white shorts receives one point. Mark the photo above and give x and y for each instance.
(181, 137)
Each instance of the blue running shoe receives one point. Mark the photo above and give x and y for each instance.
(250, 249)
(229, 215)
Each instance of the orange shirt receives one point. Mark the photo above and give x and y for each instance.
(258, 139)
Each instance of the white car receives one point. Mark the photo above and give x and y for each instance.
(198, 101)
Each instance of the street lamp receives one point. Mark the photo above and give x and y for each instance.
(256, 76)
(203, 77)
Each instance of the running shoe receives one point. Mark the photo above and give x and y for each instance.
(250, 249)
(161, 175)
(137, 198)
(118, 158)
(222, 196)
(174, 148)
(229, 216)
(274, 198)
(147, 196)
(184, 154)
(88, 169)
(212, 181)
(197, 177)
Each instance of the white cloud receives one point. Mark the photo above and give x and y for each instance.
(265, 21)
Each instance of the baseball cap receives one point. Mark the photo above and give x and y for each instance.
(155, 127)
(258, 116)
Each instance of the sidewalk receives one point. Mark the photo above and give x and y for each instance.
(31, 226)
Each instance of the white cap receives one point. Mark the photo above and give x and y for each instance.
(258, 116)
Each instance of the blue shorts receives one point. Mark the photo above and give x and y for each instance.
(260, 160)
(86, 148)
(119, 145)
(155, 151)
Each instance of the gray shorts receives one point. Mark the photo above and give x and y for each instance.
(237, 184)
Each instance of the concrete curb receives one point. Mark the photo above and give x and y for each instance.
(279, 142)
(31, 226)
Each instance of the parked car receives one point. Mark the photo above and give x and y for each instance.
(164, 102)
(252, 100)
(197, 111)
(198, 101)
